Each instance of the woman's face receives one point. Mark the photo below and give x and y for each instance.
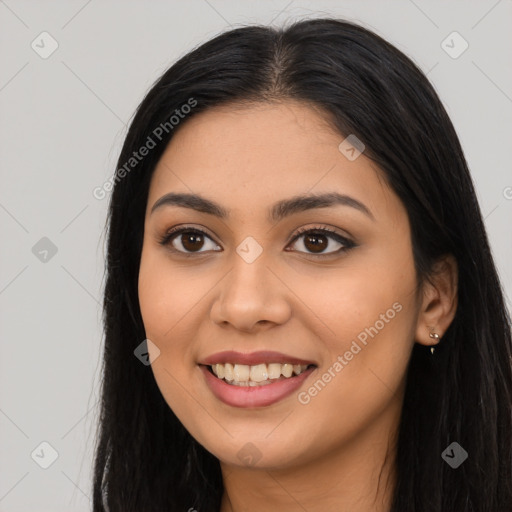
(344, 301)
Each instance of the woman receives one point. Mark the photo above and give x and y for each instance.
(301, 308)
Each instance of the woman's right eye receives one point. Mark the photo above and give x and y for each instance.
(190, 241)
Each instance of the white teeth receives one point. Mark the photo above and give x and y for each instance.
(274, 371)
(228, 371)
(218, 370)
(241, 372)
(260, 374)
(287, 370)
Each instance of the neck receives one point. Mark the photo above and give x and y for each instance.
(359, 477)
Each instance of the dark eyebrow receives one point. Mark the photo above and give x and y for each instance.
(278, 211)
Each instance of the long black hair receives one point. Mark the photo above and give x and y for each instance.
(145, 460)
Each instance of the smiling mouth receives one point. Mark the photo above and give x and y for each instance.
(257, 375)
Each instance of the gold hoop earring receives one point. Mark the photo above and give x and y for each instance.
(436, 337)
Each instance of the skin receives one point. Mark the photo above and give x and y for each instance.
(326, 454)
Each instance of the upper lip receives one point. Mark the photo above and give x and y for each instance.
(253, 358)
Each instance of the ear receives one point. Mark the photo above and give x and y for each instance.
(438, 301)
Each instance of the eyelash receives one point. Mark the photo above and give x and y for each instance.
(348, 244)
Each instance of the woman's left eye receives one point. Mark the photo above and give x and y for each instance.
(315, 240)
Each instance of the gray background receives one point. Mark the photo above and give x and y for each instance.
(63, 119)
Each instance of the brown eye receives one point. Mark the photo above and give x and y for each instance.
(317, 240)
(188, 241)
(192, 241)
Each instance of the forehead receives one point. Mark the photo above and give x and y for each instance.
(246, 157)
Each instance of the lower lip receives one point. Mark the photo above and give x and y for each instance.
(254, 396)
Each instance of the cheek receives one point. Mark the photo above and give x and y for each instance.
(371, 319)
(364, 300)
(166, 295)
(165, 304)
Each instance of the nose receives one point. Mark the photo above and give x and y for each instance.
(251, 296)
